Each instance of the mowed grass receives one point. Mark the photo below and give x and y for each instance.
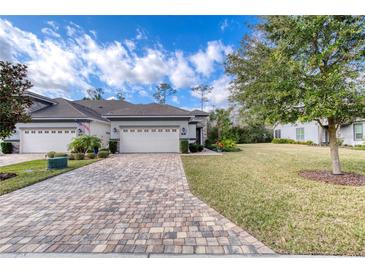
(259, 189)
(32, 172)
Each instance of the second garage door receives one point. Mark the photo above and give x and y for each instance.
(149, 139)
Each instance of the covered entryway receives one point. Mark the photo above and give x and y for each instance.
(149, 139)
(40, 140)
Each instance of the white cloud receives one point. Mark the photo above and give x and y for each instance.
(64, 66)
(181, 74)
(220, 92)
(224, 25)
(141, 34)
(50, 32)
(205, 61)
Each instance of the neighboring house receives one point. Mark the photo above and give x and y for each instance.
(350, 134)
(138, 128)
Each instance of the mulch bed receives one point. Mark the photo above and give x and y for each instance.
(4, 176)
(346, 179)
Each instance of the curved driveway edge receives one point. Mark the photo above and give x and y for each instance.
(130, 204)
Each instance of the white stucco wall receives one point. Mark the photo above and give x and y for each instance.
(347, 135)
(192, 132)
(179, 123)
(101, 130)
(311, 131)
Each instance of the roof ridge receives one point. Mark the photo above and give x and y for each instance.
(69, 102)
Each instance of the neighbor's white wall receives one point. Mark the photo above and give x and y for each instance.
(311, 131)
(101, 130)
(177, 123)
(347, 135)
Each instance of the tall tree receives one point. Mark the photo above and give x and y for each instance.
(94, 94)
(221, 118)
(13, 102)
(303, 68)
(163, 90)
(202, 91)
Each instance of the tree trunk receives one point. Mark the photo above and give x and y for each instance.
(321, 135)
(336, 165)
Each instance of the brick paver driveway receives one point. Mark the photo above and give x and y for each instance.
(124, 204)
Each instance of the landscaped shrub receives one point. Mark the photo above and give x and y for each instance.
(200, 148)
(290, 141)
(60, 154)
(79, 156)
(359, 147)
(184, 146)
(71, 156)
(90, 155)
(7, 148)
(103, 154)
(113, 146)
(51, 154)
(193, 148)
(84, 143)
(104, 149)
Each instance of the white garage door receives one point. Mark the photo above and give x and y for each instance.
(45, 140)
(147, 139)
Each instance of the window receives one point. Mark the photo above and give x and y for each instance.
(131, 130)
(277, 133)
(139, 130)
(53, 131)
(33, 131)
(26, 132)
(174, 130)
(66, 131)
(145, 130)
(300, 134)
(125, 130)
(153, 130)
(39, 131)
(160, 130)
(167, 130)
(358, 132)
(72, 131)
(46, 131)
(60, 131)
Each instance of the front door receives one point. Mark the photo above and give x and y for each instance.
(199, 136)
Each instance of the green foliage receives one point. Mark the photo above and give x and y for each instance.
(193, 148)
(84, 143)
(51, 154)
(184, 146)
(94, 94)
(90, 155)
(113, 144)
(71, 156)
(163, 90)
(13, 103)
(290, 141)
(200, 148)
(103, 154)
(220, 118)
(6, 148)
(104, 149)
(60, 154)
(359, 147)
(78, 156)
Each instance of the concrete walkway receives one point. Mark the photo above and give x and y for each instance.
(129, 204)
(9, 159)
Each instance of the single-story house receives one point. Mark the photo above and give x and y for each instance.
(138, 128)
(351, 134)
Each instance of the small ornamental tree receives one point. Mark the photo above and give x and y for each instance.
(220, 118)
(13, 100)
(303, 68)
(163, 90)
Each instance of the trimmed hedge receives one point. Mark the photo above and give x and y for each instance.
(113, 146)
(78, 156)
(184, 146)
(7, 148)
(290, 141)
(103, 154)
(193, 148)
(90, 155)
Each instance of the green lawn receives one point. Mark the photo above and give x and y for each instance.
(39, 173)
(259, 189)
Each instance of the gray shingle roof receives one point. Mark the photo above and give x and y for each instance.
(149, 110)
(66, 109)
(197, 112)
(103, 106)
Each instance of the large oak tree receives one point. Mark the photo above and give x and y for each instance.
(303, 68)
(13, 103)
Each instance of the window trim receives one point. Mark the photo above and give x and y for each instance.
(296, 134)
(362, 131)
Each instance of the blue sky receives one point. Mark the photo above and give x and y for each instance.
(66, 55)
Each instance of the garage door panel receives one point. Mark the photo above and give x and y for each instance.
(141, 140)
(48, 139)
